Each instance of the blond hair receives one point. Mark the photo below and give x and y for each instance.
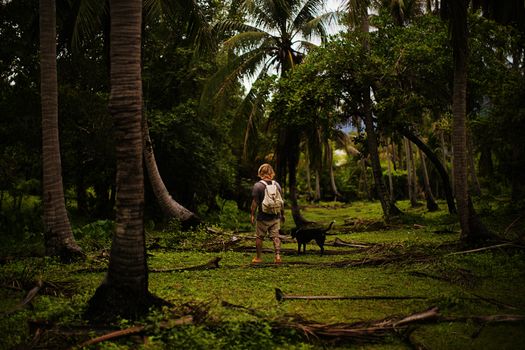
(266, 170)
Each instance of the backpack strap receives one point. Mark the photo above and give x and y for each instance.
(265, 184)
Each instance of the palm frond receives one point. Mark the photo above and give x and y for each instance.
(246, 40)
(89, 19)
(152, 9)
(356, 10)
(227, 76)
(262, 17)
(234, 27)
(315, 25)
(306, 45)
(197, 26)
(253, 106)
(307, 12)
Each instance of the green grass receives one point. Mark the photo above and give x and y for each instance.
(447, 281)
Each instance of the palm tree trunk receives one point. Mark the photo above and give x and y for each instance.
(429, 197)
(389, 208)
(364, 177)
(308, 177)
(168, 205)
(390, 179)
(293, 141)
(447, 188)
(471, 228)
(317, 196)
(59, 240)
(124, 292)
(410, 175)
(474, 182)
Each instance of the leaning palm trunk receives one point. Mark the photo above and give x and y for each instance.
(124, 291)
(447, 188)
(59, 240)
(169, 206)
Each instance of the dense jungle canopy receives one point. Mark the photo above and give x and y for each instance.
(144, 115)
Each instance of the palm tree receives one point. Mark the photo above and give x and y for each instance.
(91, 14)
(124, 290)
(168, 205)
(472, 229)
(59, 240)
(358, 13)
(275, 38)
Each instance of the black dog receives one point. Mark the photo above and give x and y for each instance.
(305, 234)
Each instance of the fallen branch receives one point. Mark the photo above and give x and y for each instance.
(481, 319)
(249, 310)
(430, 314)
(29, 297)
(485, 248)
(210, 265)
(280, 296)
(135, 330)
(404, 258)
(113, 335)
(494, 302)
(340, 243)
(374, 330)
(512, 224)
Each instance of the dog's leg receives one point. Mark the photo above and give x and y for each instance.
(320, 242)
(299, 248)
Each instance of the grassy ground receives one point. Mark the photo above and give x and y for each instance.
(418, 261)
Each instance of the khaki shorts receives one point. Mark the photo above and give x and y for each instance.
(268, 228)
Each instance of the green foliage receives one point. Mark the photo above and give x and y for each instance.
(21, 226)
(95, 235)
(186, 143)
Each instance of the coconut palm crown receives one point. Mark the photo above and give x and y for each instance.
(275, 37)
(272, 41)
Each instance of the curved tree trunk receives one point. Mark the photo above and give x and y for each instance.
(59, 240)
(168, 205)
(124, 291)
(437, 164)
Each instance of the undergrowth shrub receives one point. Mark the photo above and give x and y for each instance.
(95, 235)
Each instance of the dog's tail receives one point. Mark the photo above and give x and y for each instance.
(329, 226)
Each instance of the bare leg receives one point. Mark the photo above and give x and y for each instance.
(277, 247)
(258, 247)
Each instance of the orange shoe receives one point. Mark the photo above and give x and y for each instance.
(277, 260)
(256, 260)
